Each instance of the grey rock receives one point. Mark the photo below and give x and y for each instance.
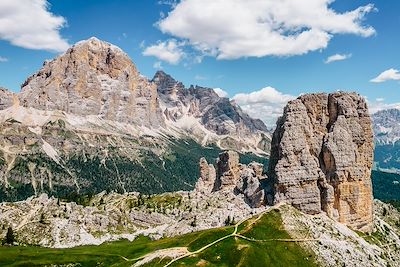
(207, 178)
(321, 157)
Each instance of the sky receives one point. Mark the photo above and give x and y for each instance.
(260, 53)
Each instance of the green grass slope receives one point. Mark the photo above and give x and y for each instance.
(260, 241)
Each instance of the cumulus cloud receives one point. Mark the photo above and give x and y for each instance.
(30, 24)
(220, 92)
(337, 57)
(3, 59)
(230, 29)
(169, 51)
(266, 104)
(390, 74)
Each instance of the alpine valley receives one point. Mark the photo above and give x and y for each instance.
(101, 166)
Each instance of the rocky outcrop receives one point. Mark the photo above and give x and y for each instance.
(228, 170)
(7, 98)
(230, 175)
(206, 181)
(94, 78)
(321, 157)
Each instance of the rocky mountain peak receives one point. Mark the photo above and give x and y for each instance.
(321, 157)
(94, 77)
(218, 115)
(168, 88)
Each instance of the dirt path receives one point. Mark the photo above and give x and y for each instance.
(174, 252)
(234, 234)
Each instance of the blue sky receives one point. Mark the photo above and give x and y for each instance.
(371, 47)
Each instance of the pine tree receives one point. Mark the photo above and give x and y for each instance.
(10, 236)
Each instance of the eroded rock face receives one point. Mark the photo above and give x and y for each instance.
(7, 98)
(230, 175)
(94, 78)
(206, 181)
(321, 157)
(228, 169)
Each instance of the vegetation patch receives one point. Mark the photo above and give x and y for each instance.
(232, 251)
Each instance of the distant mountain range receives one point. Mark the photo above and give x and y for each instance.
(387, 140)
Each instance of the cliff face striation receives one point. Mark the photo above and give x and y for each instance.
(321, 157)
(94, 78)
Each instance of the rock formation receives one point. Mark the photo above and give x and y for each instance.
(321, 157)
(233, 176)
(7, 98)
(94, 78)
(228, 170)
(206, 181)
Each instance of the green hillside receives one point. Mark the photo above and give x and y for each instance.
(176, 168)
(260, 241)
(386, 185)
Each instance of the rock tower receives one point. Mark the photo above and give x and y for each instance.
(321, 157)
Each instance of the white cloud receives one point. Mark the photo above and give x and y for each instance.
(200, 77)
(390, 74)
(3, 59)
(380, 105)
(220, 92)
(29, 24)
(169, 51)
(266, 104)
(230, 29)
(157, 65)
(337, 57)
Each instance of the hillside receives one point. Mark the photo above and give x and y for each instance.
(280, 236)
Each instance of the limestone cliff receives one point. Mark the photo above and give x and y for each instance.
(94, 78)
(321, 157)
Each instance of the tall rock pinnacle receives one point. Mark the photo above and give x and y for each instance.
(94, 78)
(321, 157)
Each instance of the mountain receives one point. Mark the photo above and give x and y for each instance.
(387, 140)
(203, 113)
(88, 121)
(387, 126)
